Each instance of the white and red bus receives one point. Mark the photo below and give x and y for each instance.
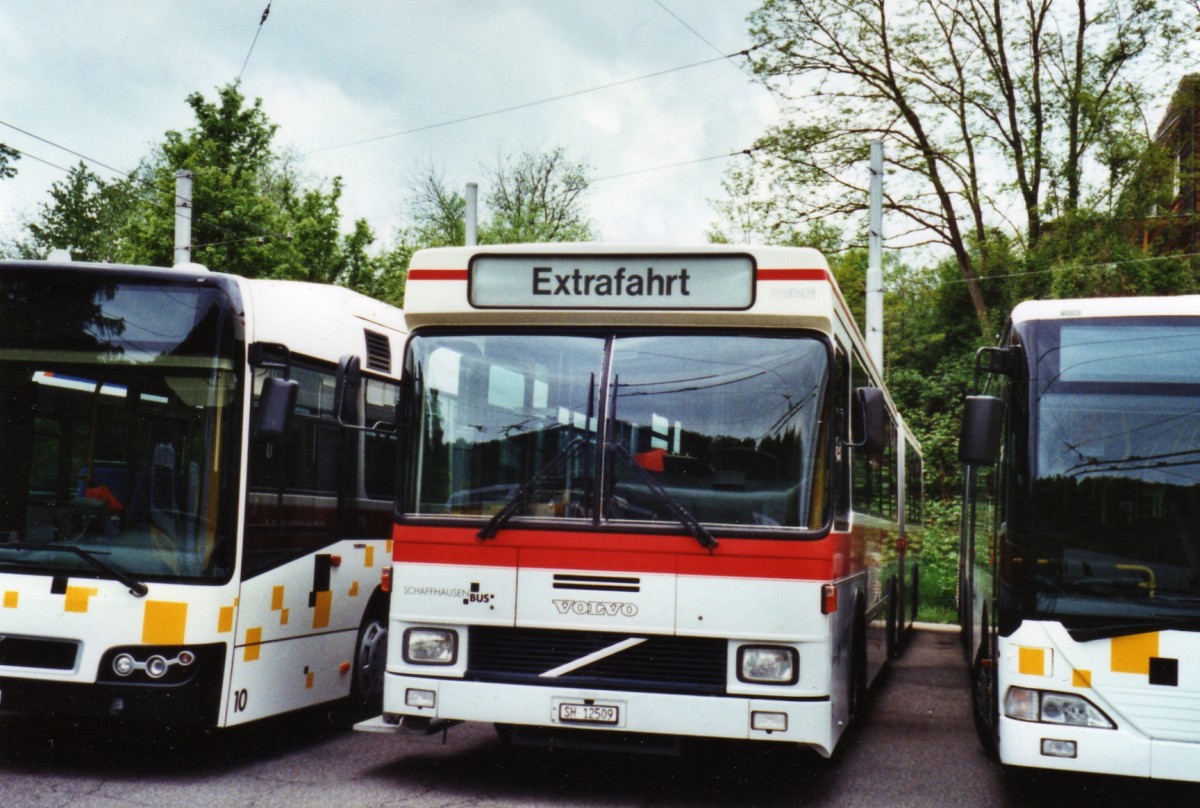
(645, 494)
(1081, 537)
(190, 530)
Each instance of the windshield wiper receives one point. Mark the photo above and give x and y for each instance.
(136, 588)
(521, 498)
(1126, 629)
(685, 517)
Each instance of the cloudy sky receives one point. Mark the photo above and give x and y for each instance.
(378, 91)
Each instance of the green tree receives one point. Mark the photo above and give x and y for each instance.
(85, 216)
(438, 212)
(532, 197)
(255, 213)
(537, 197)
(8, 156)
(991, 111)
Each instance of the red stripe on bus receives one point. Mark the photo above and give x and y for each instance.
(820, 560)
(793, 275)
(437, 275)
(763, 275)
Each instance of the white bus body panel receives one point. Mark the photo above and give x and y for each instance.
(1158, 731)
(294, 643)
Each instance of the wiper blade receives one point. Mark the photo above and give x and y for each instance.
(521, 497)
(685, 517)
(1127, 629)
(136, 587)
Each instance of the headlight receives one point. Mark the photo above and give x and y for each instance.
(1048, 707)
(768, 664)
(156, 667)
(123, 665)
(430, 646)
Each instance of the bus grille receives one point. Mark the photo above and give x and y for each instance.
(660, 664)
(24, 652)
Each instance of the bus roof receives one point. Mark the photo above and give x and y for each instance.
(1178, 305)
(321, 320)
(315, 319)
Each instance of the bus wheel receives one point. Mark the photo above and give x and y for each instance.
(370, 660)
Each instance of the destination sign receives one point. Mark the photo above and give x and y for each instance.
(655, 281)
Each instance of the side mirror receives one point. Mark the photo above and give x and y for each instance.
(868, 420)
(979, 440)
(345, 390)
(276, 404)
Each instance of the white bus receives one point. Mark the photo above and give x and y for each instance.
(632, 504)
(189, 530)
(1081, 537)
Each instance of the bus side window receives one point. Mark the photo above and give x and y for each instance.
(293, 482)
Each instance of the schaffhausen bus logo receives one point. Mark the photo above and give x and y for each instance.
(598, 608)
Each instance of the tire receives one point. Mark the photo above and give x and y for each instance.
(370, 661)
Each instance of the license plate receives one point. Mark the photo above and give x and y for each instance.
(588, 713)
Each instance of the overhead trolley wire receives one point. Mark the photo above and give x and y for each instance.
(257, 31)
(528, 104)
(739, 153)
(132, 176)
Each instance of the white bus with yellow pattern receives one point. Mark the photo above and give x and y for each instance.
(191, 528)
(1081, 537)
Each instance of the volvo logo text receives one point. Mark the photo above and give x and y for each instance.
(602, 608)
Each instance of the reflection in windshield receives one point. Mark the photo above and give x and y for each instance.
(1117, 525)
(114, 467)
(724, 430)
(112, 413)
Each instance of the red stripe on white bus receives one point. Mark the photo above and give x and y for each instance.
(820, 560)
(793, 275)
(763, 275)
(437, 275)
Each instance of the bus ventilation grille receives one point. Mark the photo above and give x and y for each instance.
(694, 665)
(379, 351)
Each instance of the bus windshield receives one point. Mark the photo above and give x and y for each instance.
(116, 397)
(730, 427)
(1116, 521)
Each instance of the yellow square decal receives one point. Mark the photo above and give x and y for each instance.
(253, 640)
(1132, 654)
(10, 600)
(78, 597)
(163, 622)
(277, 598)
(1081, 678)
(321, 612)
(225, 620)
(1031, 661)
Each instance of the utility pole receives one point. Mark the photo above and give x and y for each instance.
(472, 214)
(183, 217)
(875, 259)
